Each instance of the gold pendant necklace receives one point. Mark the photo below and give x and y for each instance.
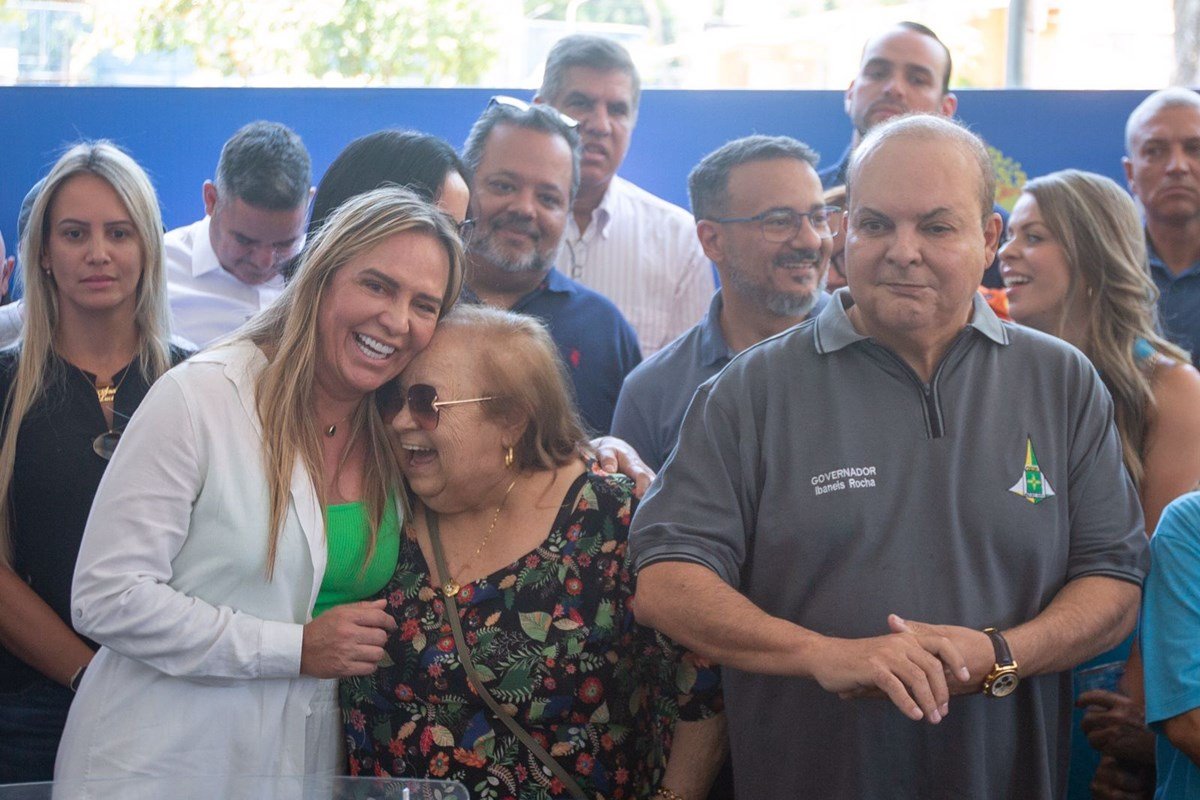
(105, 394)
(452, 587)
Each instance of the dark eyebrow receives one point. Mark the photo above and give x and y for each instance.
(576, 95)
(437, 301)
(940, 211)
(387, 280)
(868, 210)
(921, 68)
(878, 61)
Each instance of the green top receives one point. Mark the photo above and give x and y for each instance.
(347, 535)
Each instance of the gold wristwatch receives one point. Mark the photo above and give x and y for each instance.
(1003, 678)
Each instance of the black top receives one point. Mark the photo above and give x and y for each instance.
(55, 477)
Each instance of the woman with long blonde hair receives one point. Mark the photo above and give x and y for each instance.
(94, 338)
(1075, 266)
(251, 504)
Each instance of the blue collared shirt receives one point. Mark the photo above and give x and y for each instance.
(656, 394)
(597, 345)
(1178, 302)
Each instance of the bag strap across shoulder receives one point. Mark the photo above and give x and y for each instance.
(464, 655)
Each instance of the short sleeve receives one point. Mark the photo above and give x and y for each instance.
(1171, 613)
(701, 507)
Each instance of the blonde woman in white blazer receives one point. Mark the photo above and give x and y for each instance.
(206, 545)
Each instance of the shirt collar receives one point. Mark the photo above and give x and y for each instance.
(835, 331)
(204, 258)
(1158, 265)
(554, 281)
(713, 347)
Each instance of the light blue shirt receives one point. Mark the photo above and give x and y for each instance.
(1171, 639)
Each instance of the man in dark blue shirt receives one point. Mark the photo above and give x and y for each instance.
(904, 70)
(1162, 164)
(525, 171)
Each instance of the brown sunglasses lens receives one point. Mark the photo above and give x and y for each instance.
(420, 399)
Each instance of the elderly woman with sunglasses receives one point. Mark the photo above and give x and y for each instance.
(516, 667)
(94, 339)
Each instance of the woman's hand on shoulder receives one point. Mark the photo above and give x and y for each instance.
(615, 455)
(346, 640)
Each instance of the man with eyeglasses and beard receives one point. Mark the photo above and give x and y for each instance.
(524, 162)
(761, 218)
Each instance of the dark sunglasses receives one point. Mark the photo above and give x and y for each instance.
(422, 402)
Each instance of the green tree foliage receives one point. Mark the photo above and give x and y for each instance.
(375, 41)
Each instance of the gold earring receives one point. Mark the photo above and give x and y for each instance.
(509, 457)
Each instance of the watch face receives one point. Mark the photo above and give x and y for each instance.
(1004, 684)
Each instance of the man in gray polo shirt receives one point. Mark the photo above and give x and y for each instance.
(761, 218)
(852, 502)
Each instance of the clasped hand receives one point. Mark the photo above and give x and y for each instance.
(346, 640)
(917, 666)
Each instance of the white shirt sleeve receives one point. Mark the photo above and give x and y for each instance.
(122, 597)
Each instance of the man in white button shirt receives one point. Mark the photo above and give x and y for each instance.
(224, 269)
(636, 249)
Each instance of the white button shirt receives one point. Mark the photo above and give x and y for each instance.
(199, 672)
(206, 301)
(642, 253)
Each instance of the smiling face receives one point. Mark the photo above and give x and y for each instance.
(780, 278)
(602, 101)
(447, 466)
(902, 71)
(520, 198)
(379, 310)
(916, 247)
(251, 243)
(1035, 270)
(92, 250)
(1163, 167)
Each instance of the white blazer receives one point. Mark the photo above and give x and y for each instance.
(199, 673)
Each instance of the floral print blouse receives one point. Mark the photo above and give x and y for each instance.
(554, 639)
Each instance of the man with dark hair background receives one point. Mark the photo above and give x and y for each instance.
(224, 269)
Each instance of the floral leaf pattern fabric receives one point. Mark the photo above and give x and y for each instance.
(554, 639)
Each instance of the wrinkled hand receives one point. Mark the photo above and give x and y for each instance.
(975, 647)
(346, 640)
(616, 456)
(908, 668)
(1115, 780)
(1116, 726)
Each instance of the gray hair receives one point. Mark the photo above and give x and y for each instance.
(929, 127)
(265, 165)
(593, 52)
(1172, 97)
(533, 118)
(708, 182)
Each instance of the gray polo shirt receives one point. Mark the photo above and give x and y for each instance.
(824, 480)
(656, 394)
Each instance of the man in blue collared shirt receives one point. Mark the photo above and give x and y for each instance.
(1162, 165)
(524, 162)
(745, 195)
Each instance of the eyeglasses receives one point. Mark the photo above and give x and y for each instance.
(782, 224)
(422, 402)
(465, 229)
(521, 105)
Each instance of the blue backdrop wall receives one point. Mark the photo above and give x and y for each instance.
(177, 133)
